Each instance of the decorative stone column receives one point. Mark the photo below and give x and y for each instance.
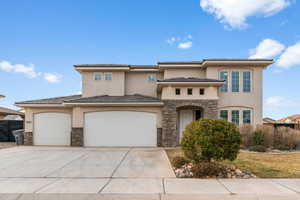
(170, 132)
(28, 138)
(77, 137)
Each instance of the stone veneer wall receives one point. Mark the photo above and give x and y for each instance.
(28, 138)
(170, 134)
(77, 137)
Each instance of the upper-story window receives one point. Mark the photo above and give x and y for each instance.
(224, 76)
(246, 81)
(190, 91)
(202, 91)
(235, 81)
(177, 91)
(108, 76)
(98, 76)
(152, 77)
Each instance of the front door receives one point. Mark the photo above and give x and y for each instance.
(185, 118)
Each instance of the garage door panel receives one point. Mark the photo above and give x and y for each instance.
(52, 129)
(120, 128)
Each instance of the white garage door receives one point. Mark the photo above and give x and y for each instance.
(52, 129)
(120, 128)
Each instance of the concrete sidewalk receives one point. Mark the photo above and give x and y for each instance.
(148, 188)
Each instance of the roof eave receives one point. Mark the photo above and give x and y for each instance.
(119, 104)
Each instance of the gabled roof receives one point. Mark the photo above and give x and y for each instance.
(55, 100)
(136, 98)
(291, 118)
(8, 111)
(269, 120)
(190, 79)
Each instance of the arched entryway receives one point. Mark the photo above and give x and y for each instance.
(186, 115)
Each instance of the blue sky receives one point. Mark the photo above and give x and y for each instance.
(42, 40)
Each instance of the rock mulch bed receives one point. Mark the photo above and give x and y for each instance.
(229, 172)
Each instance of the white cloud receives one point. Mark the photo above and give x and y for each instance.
(267, 48)
(29, 71)
(235, 12)
(52, 78)
(185, 45)
(171, 40)
(276, 103)
(290, 57)
(184, 42)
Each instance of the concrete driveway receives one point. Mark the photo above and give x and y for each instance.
(44, 173)
(56, 162)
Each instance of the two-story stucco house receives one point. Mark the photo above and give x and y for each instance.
(138, 105)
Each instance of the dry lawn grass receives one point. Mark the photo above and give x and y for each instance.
(262, 165)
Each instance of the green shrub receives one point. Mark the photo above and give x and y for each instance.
(211, 139)
(205, 169)
(179, 161)
(258, 148)
(258, 138)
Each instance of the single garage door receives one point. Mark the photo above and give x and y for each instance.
(120, 128)
(52, 129)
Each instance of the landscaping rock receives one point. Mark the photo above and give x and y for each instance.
(231, 172)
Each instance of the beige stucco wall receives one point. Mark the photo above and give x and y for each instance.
(137, 83)
(251, 99)
(78, 113)
(169, 93)
(91, 87)
(173, 73)
(29, 115)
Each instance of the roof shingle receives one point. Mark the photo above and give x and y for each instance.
(136, 98)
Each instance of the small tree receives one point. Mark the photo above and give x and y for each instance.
(211, 139)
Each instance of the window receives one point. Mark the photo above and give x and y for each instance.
(201, 91)
(224, 115)
(177, 91)
(151, 77)
(190, 91)
(108, 76)
(247, 81)
(235, 76)
(224, 76)
(235, 117)
(247, 116)
(98, 76)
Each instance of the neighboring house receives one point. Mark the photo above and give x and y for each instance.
(268, 120)
(6, 113)
(290, 119)
(140, 105)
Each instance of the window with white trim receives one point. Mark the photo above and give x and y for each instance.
(235, 81)
(235, 117)
(246, 81)
(108, 76)
(224, 76)
(152, 77)
(246, 116)
(98, 76)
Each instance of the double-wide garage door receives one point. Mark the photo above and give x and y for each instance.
(113, 128)
(120, 128)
